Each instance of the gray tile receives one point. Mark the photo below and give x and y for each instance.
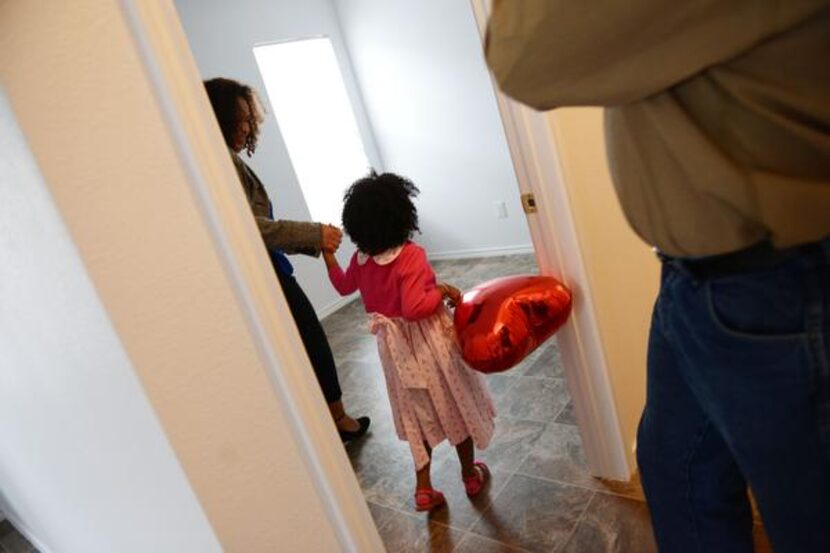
(371, 401)
(405, 533)
(500, 384)
(535, 398)
(351, 345)
(384, 469)
(558, 455)
(526, 265)
(524, 365)
(477, 544)
(347, 319)
(548, 363)
(14, 542)
(512, 441)
(363, 349)
(533, 514)
(456, 271)
(443, 451)
(567, 415)
(613, 524)
(380, 514)
(362, 378)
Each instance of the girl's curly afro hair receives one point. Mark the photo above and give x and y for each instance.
(378, 213)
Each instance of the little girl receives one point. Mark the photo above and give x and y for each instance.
(433, 394)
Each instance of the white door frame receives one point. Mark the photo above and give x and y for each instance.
(553, 231)
(165, 55)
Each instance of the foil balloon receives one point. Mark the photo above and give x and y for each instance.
(501, 321)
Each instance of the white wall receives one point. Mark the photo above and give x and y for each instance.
(430, 100)
(165, 236)
(222, 36)
(423, 100)
(84, 463)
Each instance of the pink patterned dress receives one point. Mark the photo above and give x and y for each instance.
(433, 394)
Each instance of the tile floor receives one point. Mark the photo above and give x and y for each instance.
(12, 541)
(542, 497)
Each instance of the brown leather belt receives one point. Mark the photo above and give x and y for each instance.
(757, 257)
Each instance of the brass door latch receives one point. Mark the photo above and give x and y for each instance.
(529, 203)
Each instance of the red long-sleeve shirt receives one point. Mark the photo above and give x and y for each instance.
(405, 287)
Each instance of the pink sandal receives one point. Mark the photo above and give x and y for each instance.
(427, 499)
(475, 483)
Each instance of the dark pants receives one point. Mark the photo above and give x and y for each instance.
(314, 338)
(739, 394)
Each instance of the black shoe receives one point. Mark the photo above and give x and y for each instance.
(348, 435)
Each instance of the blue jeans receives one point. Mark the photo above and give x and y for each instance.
(739, 395)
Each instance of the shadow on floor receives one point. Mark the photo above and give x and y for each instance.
(542, 497)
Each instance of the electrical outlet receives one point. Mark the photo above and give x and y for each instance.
(501, 209)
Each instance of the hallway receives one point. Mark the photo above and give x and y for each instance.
(542, 497)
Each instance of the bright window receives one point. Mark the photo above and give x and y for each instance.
(308, 97)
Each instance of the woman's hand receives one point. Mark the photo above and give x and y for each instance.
(450, 293)
(332, 236)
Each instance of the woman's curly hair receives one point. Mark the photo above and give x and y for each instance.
(224, 95)
(378, 213)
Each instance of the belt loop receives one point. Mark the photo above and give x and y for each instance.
(678, 265)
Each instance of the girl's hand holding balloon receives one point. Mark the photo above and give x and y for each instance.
(450, 293)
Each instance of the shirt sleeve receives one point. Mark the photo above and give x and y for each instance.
(289, 236)
(552, 53)
(419, 295)
(344, 283)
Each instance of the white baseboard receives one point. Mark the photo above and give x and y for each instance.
(335, 305)
(482, 252)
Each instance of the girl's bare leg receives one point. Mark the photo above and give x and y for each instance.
(422, 476)
(466, 456)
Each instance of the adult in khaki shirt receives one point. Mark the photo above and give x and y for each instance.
(239, 114)
(718, 134)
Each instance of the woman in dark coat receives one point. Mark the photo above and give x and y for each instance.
(238, 111)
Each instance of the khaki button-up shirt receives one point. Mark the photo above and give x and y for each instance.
(718, 119)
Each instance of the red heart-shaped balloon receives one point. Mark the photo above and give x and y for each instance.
(501, 321)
